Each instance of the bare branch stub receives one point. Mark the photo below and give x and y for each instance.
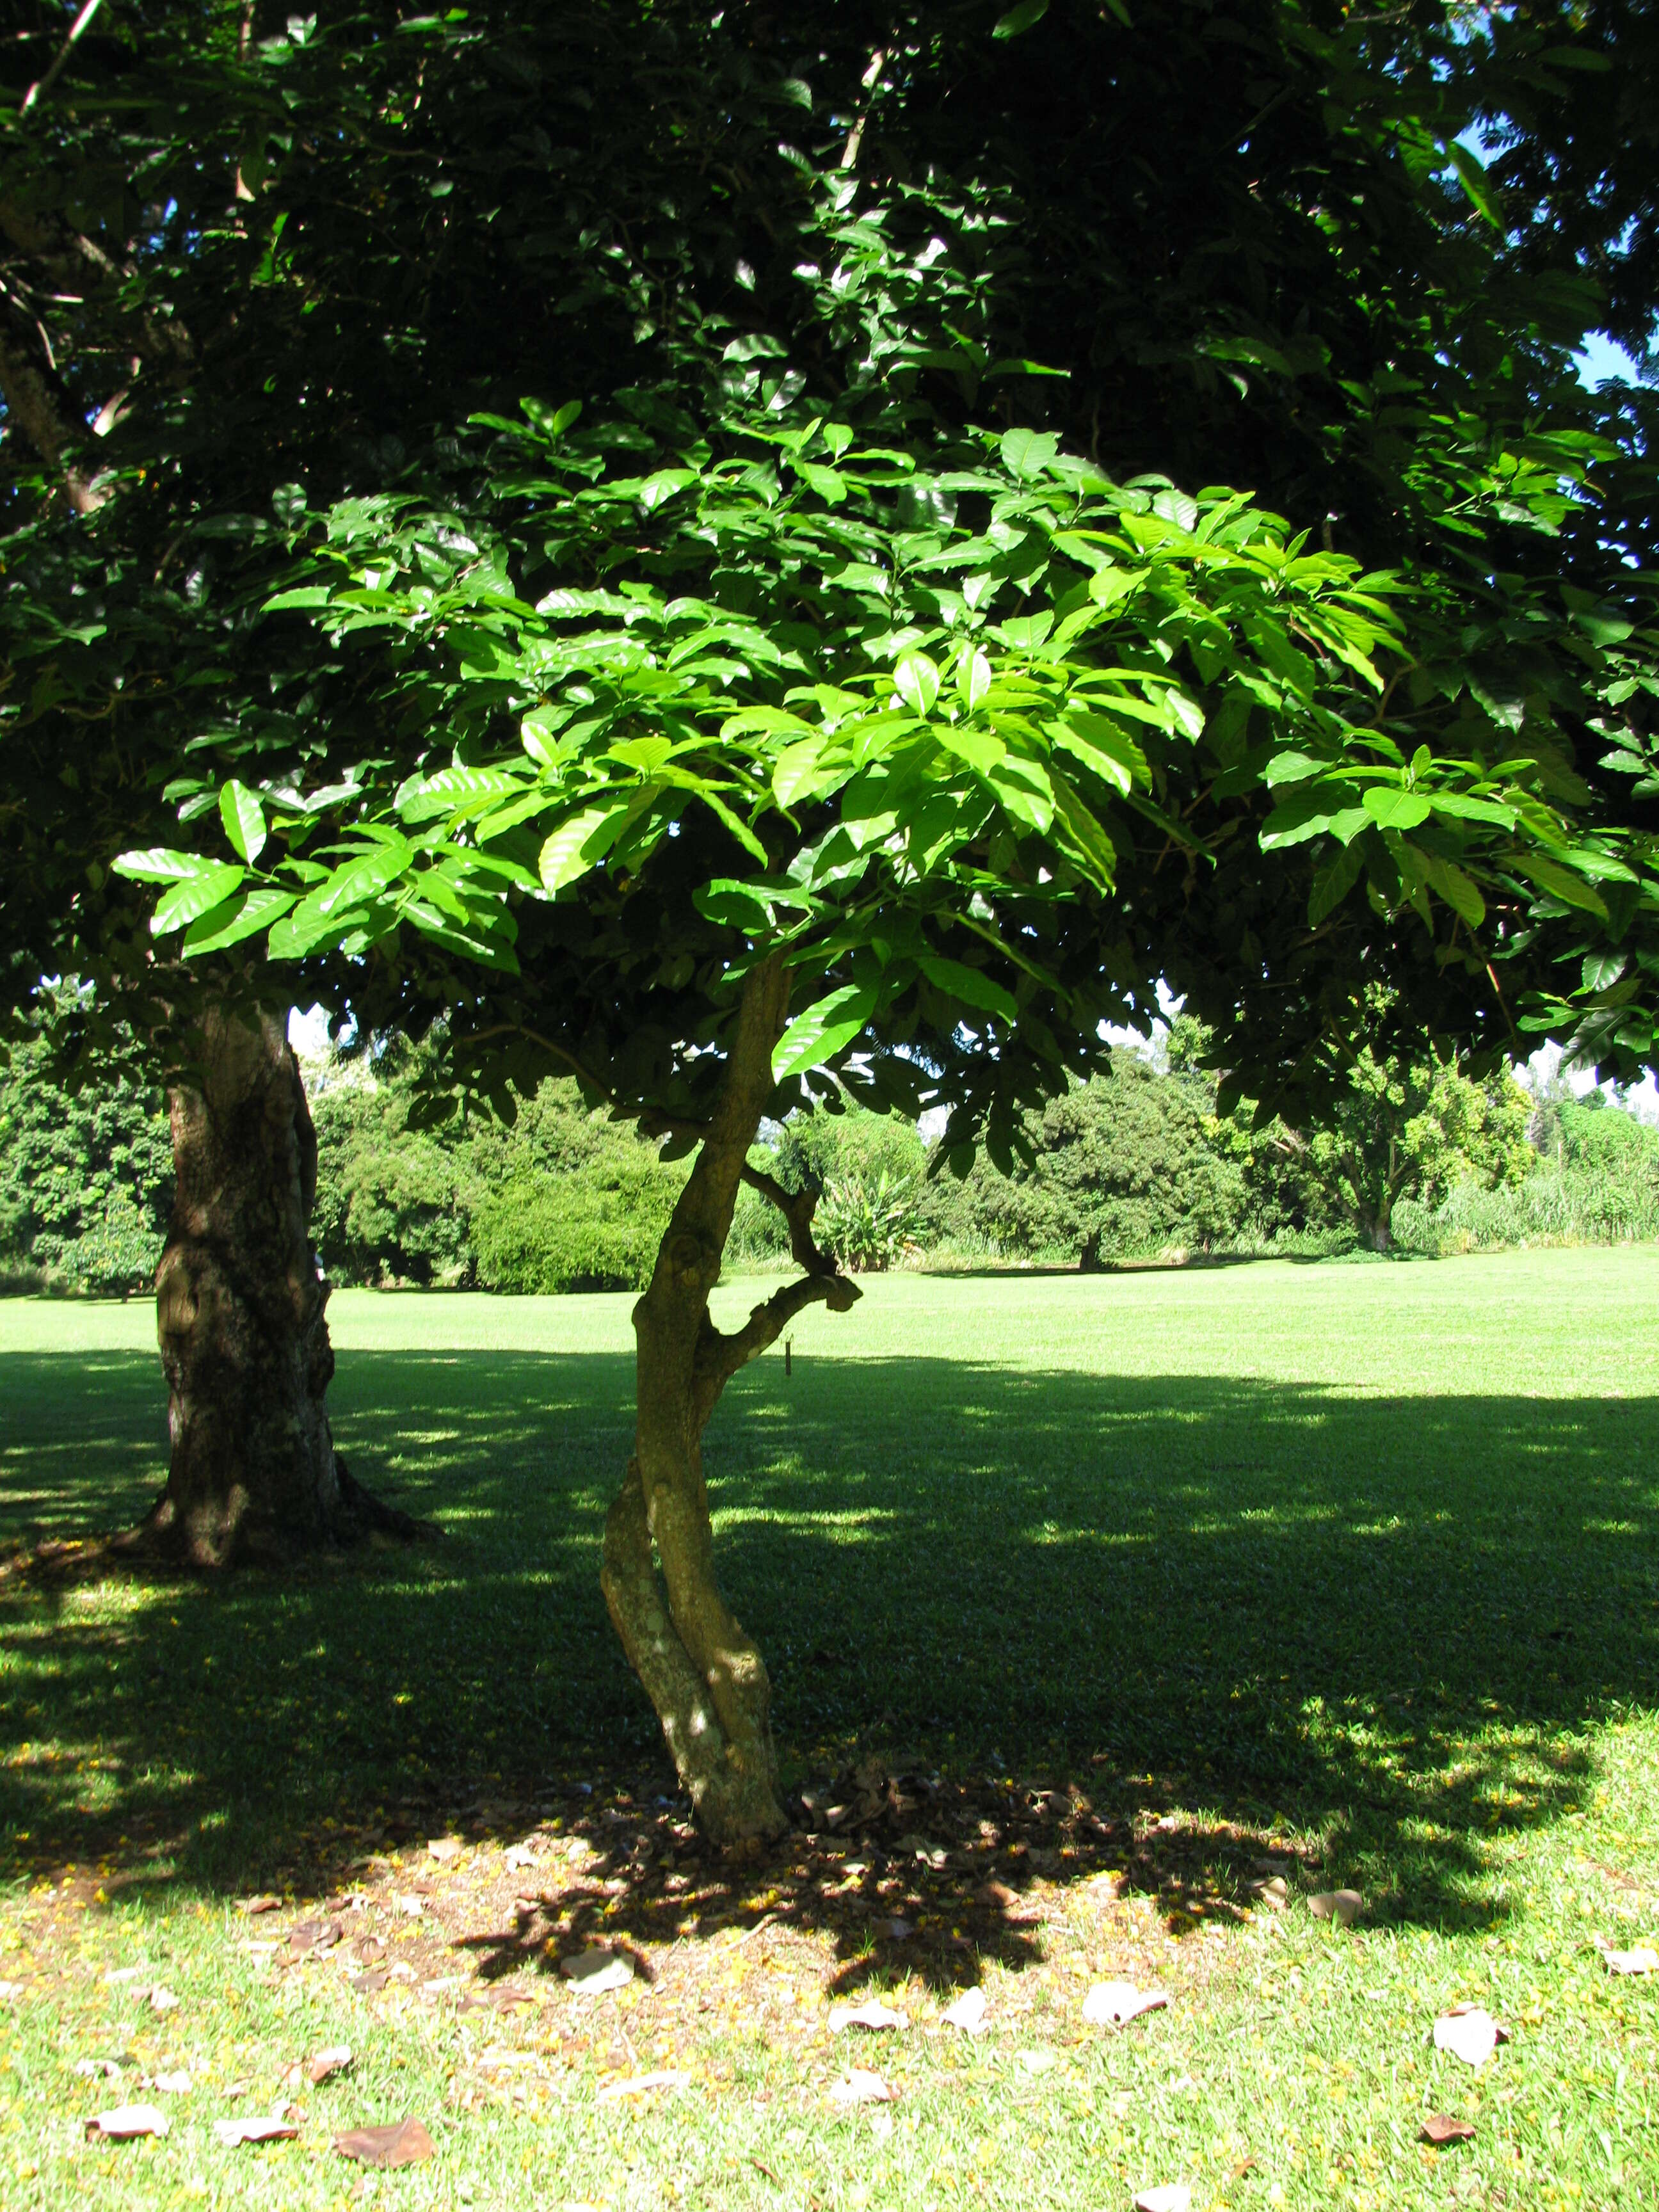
(798, 1209)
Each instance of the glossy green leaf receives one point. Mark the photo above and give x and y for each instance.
(244, 819)
(575, 847)
(825, 1028)
(230, 923)
(916, 681)
(196, 895)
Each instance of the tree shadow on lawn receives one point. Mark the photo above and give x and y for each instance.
(1213, 1612)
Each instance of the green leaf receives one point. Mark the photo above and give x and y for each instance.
(1602, 971)
(796, 775)
(1027, 453)
(973, 677)
(451, 789)
(979, 748)
(1471, 809)
(230, 923)
(575, 845)
(308, 595)
(1333, 882)
(1312, 812)
(1459, 890)
(971, 985)
(822, 1031)
(1473, 179)
(197, 895)
(159, 865)
(1020, 18)
(1391, 808)
(364, 877)
(916, 681)
(1100, 744)
(1560, 882)
(244, 819)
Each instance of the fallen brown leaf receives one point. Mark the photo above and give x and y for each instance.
(595, 1971)
(1113, 2004)
(128, 2121)
(874, 2014)
(1439, 2128)
(1642, 1960)
(366, 1984)
(313, 1935)
(444, 1848)
(97, 2070)
(1342, 1905)
(641, 2085)
(263, 1903)
(967, 2013)
(860, 2088)
(404, 2142)
(255, 2130)
(334, 2060)
(163, 2000)
(1469, 2033)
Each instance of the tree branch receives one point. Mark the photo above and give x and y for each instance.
(43, 85)
(797, 1207)
(33, 407)
(719, 1357)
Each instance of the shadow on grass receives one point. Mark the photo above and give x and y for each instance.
(1207, 1612)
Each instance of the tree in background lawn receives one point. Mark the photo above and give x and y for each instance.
(1401, 1128)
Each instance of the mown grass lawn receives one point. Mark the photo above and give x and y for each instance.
(1114, 1589)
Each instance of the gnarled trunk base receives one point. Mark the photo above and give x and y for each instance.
(241, 1324)
(701, 1671)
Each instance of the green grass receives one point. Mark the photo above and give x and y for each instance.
(1356, 1557)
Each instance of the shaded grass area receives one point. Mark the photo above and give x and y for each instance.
(1359, 1561)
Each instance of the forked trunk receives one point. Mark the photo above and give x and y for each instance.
(701, 1671)
(239, 1316)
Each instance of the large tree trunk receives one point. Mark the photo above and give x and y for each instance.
(703, 1673)
(240, 1315)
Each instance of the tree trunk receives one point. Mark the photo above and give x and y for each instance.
(240, 1317)
(703, 1673)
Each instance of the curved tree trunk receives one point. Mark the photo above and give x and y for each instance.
(240, 1317)
(702, 1672)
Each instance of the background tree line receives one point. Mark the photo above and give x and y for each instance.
(1135, 1163)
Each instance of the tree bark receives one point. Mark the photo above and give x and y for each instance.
(701, 1671)
(241, 1320)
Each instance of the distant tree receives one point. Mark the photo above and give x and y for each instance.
(85, 1174)
(1405, 1128)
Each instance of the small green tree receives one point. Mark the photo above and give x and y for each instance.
(1403, 1128)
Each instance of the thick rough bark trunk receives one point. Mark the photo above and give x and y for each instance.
(240, 1317)
(702, 1672)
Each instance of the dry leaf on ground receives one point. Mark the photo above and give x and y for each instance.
(860, 2088)
(97, 2070)
(366, 1984)
(163, 2000)
(592, 1972)
(119, 1974)
(1036, 2062)
(967, 2013)
(313, 1935)
(1273, 1891)
(404, 2142)
(128, 2121)
(334, 2060)
(263, 1903)
(1111, 2004)
(641, 2085)
(1642, 1959)
(1342, 1905)
(411, 1906)
(172, 2085)
(896, 1930)
(444, 1848)
(269, 2128)
(874, 2014)
(8, 1990)
(519, 1854)
(1439, 2128)
(1168, 2197)
(1469, 2033)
